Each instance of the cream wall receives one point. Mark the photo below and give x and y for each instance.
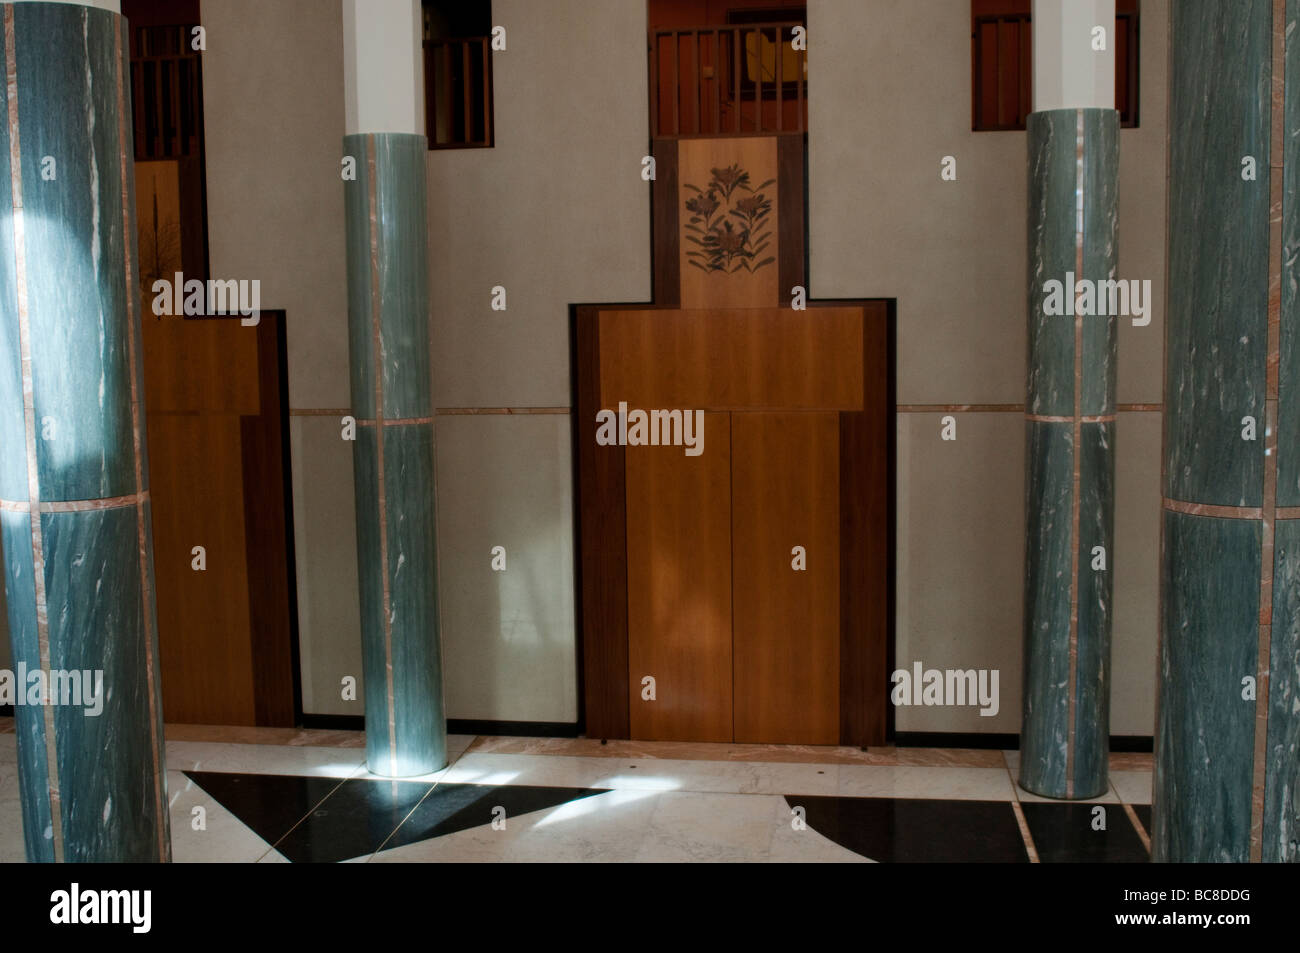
(556, 213)
(891, 98)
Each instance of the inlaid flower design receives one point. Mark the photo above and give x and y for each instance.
(729, 223)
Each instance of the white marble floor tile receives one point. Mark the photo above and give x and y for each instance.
(711, 828)
(12, 849)
(606, 827)
(1133, 787)
(974, 784)
(264, 759)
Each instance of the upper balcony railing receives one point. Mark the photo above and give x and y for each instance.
(458, 93)
(166, 93)
(727, 80)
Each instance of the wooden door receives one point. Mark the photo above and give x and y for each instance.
(222, 550)
(679, 593)
(786, 577)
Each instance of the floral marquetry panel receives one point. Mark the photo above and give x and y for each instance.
(728, 217)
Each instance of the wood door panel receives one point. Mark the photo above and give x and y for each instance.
(785, 493)
(197, 480)
(757, 359)
(679, 588)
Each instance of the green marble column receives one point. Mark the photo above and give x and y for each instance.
(74, 506)
(388, 320)
(1227, 727)
(1070, 438)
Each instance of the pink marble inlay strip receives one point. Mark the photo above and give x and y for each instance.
(1268, 515)
(1024, 832)
(137, 433)
(29, 421)
(1213, 509)
(395, 422)
(1045, 419)
(1137, 826)
(75, 506)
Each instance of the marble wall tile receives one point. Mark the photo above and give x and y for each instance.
(1100, 256)
(106, 762)
(1095, 607)
(1281, 832)
(76, 282)
(1288, 418)
(1205, 731)
(29, 720)
(1045, 731)
(1218, 250)
(1052, 138)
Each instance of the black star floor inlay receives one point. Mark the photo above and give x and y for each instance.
(270, 804)
(1143, 811)
(1065, 833)
(911, 830)
(353, 821)
(326, 820)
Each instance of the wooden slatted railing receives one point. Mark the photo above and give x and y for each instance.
(458, 93)
(727, 80)
(166, 93)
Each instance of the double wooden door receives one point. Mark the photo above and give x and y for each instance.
(740, 593)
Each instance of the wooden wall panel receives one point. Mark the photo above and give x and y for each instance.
(197, 486)
(602, 537)
(200, 365)
(269, 549)
(665, 242)
(785, 493)
(733, 359)
(867, 543)
(679, 588)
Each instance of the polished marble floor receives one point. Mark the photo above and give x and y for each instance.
(288, 795)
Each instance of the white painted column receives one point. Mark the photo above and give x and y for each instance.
(383, 66)
(1069, 71)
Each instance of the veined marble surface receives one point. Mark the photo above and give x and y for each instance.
(82, 316)
(393, 462)
(1073, 208)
